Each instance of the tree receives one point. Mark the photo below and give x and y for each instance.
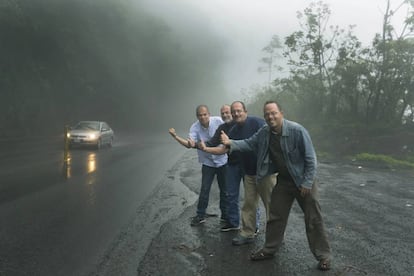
(391, 60)
(333, 77)
(311, 52)
(271, 54)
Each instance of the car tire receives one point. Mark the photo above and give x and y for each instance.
(111, 141)
(99, 144)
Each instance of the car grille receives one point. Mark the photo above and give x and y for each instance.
(79, 136)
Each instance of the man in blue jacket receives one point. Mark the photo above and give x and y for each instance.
(285, 147)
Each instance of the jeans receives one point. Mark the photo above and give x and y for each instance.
(207, 178)
(234, 176)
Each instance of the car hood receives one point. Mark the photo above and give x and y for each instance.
(83, 132)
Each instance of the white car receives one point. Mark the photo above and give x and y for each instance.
(94, 133)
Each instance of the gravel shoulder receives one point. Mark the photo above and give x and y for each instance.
(368, 214)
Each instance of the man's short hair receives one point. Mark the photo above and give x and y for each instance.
(201, 106)
(242, 103)
(273, 102)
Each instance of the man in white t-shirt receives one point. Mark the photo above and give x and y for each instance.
(212, 165)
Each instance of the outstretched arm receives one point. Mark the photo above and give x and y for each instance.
(188, 143)
(221, 149)
(246, 145)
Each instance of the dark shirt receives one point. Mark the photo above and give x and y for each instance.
(276, 155)
(215, 140)
(243, 131)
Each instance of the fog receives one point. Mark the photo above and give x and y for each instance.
(141, 64)
(245, 27)
(65, 61)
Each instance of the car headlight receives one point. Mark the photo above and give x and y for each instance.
(68, 135)
(92, 136)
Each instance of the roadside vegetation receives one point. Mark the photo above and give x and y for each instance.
(385, 160)
(356, 100)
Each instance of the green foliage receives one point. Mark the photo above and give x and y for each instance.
(385, 160)
(334, 78)
(324, 155)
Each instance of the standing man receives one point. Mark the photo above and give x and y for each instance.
(243, 167)
(225, 113)
(212, 165)
(287, 147)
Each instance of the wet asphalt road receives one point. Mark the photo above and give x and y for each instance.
(58, 220)
(126, 210)
(368, 212)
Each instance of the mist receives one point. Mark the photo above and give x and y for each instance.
(138, 65)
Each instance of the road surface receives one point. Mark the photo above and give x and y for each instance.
(65, 220)
(126, 210)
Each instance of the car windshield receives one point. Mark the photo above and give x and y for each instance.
(87, 125)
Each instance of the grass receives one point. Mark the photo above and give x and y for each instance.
(386, 160)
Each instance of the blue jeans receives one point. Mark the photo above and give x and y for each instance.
(207, 177)
(234, 176)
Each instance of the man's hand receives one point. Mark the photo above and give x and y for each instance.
(304, 191)
(172, 132)
(201, 145)
(191, 143)
(224, 139)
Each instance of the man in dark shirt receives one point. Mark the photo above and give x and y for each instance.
(225, 113)
(243, 166)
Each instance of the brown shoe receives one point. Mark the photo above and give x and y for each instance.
(324, 264)
(260, 256)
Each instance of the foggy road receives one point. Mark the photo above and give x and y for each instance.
(58, 220)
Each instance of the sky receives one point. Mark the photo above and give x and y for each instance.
(246, 26)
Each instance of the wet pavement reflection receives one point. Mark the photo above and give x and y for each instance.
(83, 163)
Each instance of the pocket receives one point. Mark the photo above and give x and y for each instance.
(294, 155)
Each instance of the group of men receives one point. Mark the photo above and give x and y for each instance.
(239, 147)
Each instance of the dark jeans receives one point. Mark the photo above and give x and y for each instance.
(234, 176)
(207, 178)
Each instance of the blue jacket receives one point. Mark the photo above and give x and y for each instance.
(297, 150)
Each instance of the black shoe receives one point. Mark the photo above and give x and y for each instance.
(240, 240)
(228, 227)
(197, 220)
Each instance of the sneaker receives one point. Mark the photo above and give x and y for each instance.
(240, 240)
(228, 227)
(195, 221)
